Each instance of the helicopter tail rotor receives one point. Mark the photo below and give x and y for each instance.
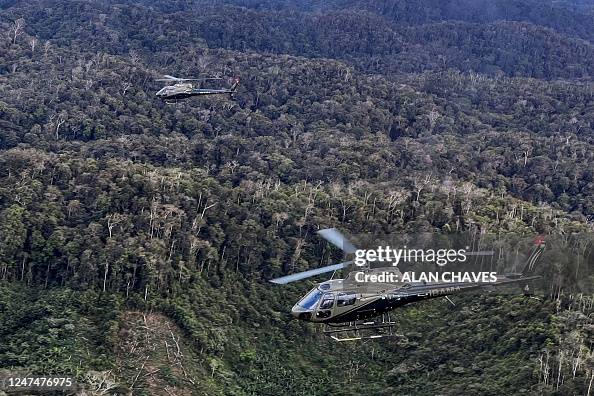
(529, 268)
(539, 246)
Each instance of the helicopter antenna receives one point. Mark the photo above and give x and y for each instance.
(332, 276)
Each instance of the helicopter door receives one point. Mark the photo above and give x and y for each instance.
(345, 299)
(325, 308)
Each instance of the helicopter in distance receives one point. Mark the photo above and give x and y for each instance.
(351, 310)
(184, 88)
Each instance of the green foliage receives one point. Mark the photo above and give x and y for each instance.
(58, 331)
(368, 116)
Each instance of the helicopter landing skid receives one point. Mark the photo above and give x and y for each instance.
(362, 330)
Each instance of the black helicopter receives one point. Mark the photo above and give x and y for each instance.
(183, 89)
(362, 310)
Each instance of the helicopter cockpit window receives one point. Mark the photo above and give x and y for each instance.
(345, 299)
(311, 299)
(328, 301)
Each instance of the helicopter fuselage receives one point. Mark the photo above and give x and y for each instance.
(349, 304)
(175, 94)
(184, 90)
(342, 300)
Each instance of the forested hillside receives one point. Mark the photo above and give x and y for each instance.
(137, 237)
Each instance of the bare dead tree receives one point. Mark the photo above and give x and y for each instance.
(61, 120)
(201, 223)
(33, 43)
(126, 86)
(50, 123)
(17, 29)
(112, 221)
(420, 183)
(344, 207)
(105, 276)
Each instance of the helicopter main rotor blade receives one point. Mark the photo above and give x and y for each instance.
(200, 79)
(167, 77)
(336, 238)
(307, 274)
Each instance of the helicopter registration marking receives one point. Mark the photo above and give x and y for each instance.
(445, 290)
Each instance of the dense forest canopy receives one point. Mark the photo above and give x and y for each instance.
(141, 225)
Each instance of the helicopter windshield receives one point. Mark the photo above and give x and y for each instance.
(311, 299)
